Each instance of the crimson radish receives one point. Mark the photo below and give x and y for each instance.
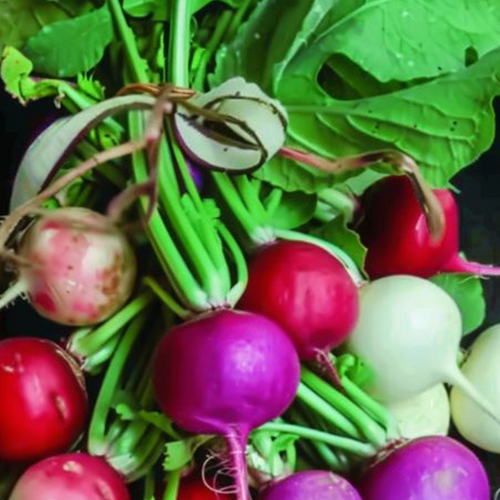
(73, 476)
(429, 468)
(409, 333)
(311, 484)
(307, 291)
(82, 267)
(193, 488)
(394, 229)
(226, 373)
(43, 399)
(482, 370)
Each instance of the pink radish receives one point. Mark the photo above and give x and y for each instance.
(226, 373)
(307, 291)
(393, 228)
(82, 269)
(74, 476)
(43, 399)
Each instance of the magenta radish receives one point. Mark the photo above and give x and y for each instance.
(408, 334)
(226, 373)
(82, 268)
(482, 370)
(42, 397)
(393, 228)
(73, 476)
(311, 484)
(307, 291)
(429, 468)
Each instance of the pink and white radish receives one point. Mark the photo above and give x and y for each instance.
(429, 468)
(409, 333)
(309, 485)
(42, 397)
(226, 373)
(427, 414)
(74, 476)
(393, 227)
(307, 291)
(82, 268)
(482, 370)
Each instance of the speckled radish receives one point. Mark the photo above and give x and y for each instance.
(73, 476)
(309, 485)
(226, 373)
(429, 468)
(42, 397)
(393, 227)
(83, 268)
(307, 291)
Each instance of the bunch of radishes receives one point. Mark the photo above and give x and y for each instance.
(229, 364)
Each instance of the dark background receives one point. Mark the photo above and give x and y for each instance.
(479, 203)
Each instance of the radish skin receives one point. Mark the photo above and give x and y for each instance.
(409, 333)
(74, 476)
(83, 269)
(482, 369)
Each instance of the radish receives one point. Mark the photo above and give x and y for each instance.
(226, 373)
(307, 291)
(429, 468)
(42, 397)
(427, 414)
(311, 484)
(409, 333)
(73, 476)
(82, 269)
(194, 488)
(393, 228)
(482, 369)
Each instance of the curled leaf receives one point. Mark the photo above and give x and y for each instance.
(234, 127)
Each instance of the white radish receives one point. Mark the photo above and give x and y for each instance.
(427, 414)
(409, 333)
(482, 369)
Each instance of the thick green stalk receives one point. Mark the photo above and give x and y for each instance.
(166, 298)
(172, 486)
(368, 427)
(180, 38)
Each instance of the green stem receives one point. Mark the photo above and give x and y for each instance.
(272, 202)
(237, 19)
(97, 442)
(166, 298)
(179, 45)
(172, 485)
(251, 198)
(349, 264)
(213, 44)
(136, 63)
(330, 414)
(369, 428)
(350, 445)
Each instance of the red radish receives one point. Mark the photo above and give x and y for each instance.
(194, 488)
(42, 397)
(429, 468)
(309, 485)
(83, 268)
(226, 373)
(394, 229)
(307, 291)
(73, 476)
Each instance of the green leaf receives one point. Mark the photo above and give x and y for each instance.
(467, 292)
(337, 232)
(294, 210)
(56, 51)
(15, 71)
(20, 19)
(179, 453)
(143, 8)
(91, 87)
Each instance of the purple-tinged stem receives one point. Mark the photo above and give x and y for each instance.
(458, 265)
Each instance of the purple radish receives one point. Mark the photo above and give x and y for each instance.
(309, 485)
(226, 373)
(428, 468)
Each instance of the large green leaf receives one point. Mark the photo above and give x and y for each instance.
(20, 19)
(72, 46)
(467, 292)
